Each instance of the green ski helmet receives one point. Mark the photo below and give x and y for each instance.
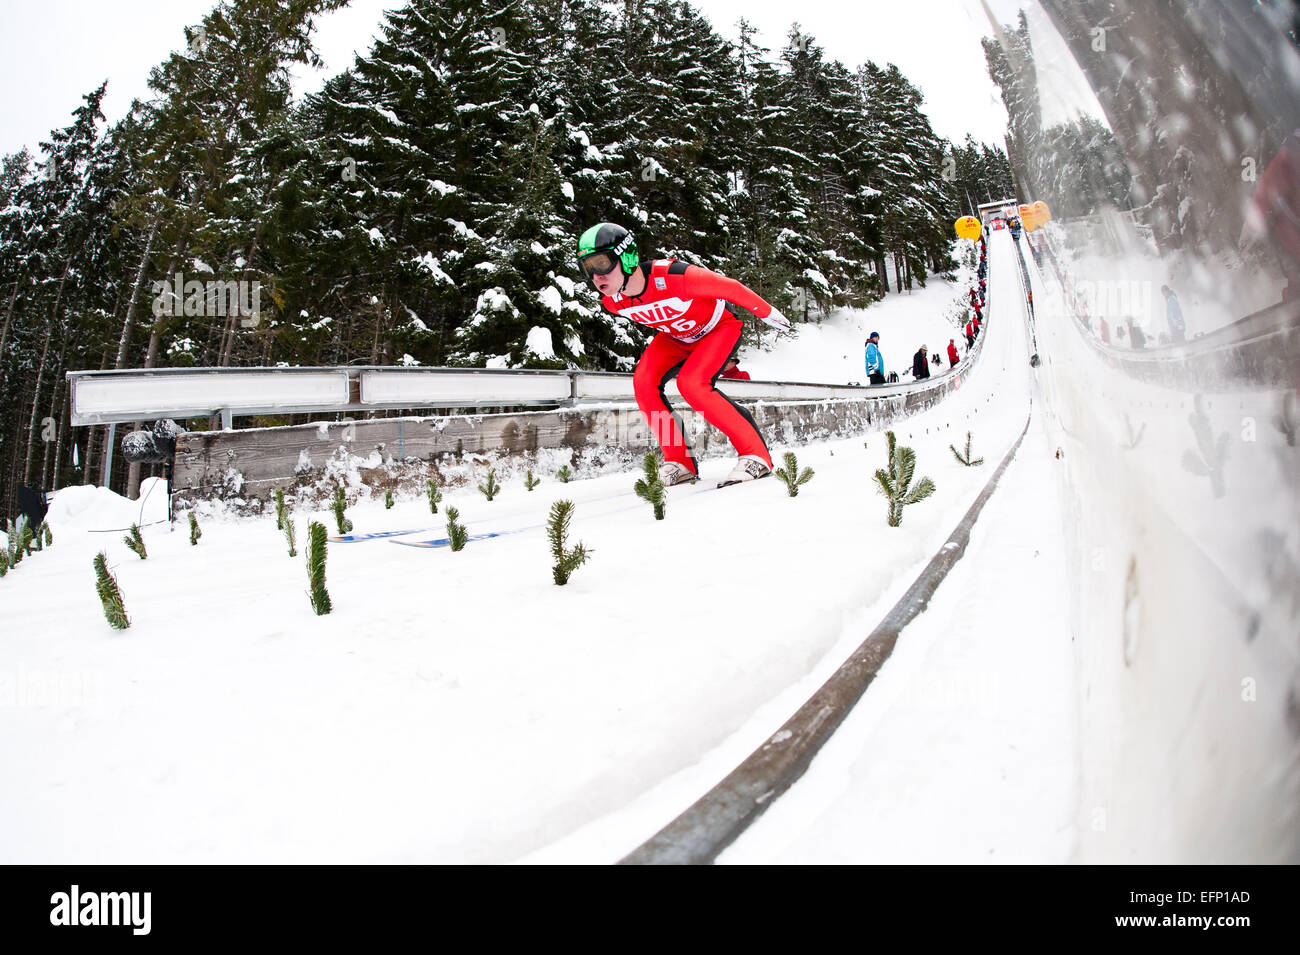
(605, 247)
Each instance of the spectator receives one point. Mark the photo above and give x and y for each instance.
(730, 369)
(953, 357)
(936, 359)
(920, 365)
(1174, 315)
(875, 364)
(1137, 338)
(970, 334)
(1105, 329)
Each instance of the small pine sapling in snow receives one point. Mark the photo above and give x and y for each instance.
(896, 483)
(320, 598)
(49, 535)
(457, 535)
(531, 482)
(12, 554)
(651, 487)
(195, 533)
(491, 487)
(109, 594)
(289, 532)
(434, 495)
(388, 499)
(281, 512)
(567, 560)
(1285, 420)
(791, 475)
(19, 537)
(135, 541)
(38, 539)
(4, 562)
(340, 503)
(564, 474)
(967, 459)
(1211, 453)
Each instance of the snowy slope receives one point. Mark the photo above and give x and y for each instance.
(834, 350)
(455, 707)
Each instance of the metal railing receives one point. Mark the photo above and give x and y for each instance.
(115, 397)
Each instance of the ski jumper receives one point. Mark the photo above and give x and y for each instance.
(697, 333)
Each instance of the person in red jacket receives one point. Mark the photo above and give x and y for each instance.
(953, 357)
(1275, 211)
(730, 370)
(686, 305)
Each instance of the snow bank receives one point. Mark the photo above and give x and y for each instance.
(539, 341)
(85, 507)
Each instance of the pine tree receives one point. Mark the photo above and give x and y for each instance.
(967, 459)
(651, 488)
(388, 499)
(135, 541)
(289, 532)
(433, 494)
(531, 482)
(109, 594)
(281, 511)
(1010, 61)
(195, 532)
(320, 598)
(896, 483)
(17, 534)
(457, 535)
(490, 488)
(564, 474)
(340, 518)
(909, 176)
(791, 475)
(566, 559)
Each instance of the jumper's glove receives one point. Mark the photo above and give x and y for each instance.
(777, 320)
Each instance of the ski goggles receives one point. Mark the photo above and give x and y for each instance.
(598, 263)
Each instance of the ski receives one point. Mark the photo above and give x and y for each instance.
(376, 535)
(446, 541)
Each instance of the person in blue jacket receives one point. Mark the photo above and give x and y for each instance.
(1174, 315)
(875, 364)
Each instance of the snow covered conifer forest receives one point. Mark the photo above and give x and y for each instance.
(422, 207)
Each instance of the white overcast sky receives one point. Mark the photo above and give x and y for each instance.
(53, 51)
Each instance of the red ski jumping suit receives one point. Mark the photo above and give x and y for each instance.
(686, 305)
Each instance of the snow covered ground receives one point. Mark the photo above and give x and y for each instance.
(459, 707)
(834, 351)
